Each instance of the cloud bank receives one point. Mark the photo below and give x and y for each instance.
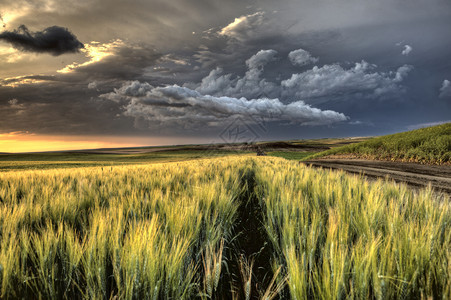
(54, 40)
(334, 80)
(220, 97)
(180, 106)
(328, 81)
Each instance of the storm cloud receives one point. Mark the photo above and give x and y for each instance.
(345, 58)
(54, 40)
(328, 81)
(180, 106)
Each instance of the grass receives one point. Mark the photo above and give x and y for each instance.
(427, 145)
(330, 142)
(291, 155)
(166, 231)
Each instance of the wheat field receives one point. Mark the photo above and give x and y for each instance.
(167, 231)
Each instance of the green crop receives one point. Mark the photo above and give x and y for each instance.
(426, 145)
(168, 231)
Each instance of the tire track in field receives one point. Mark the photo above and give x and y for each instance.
(252, 245)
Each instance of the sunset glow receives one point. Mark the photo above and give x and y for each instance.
(95, 51)
(19, 142)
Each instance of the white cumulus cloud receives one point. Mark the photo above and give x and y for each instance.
(445, 90)
(402, 73)
(407, 50)
(249, 86)
(301, 57)
(328, 81)
(335, 81)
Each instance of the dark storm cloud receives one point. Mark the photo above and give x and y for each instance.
(126, 62)
(67, 103)
(54, 40)
(193, 55)
(60, 108)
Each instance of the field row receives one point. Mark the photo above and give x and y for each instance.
(189, 229)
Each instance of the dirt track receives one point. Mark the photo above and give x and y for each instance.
(415, 175)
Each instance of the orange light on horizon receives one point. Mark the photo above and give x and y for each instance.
(22, 142)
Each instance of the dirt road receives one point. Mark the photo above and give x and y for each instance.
(413, 174)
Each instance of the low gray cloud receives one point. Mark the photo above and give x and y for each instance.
(13, 102)
(336, 81)
(301, 57)
(180, 106)
(54, 40)
(445, 90)
(407, 50)
(92, 85)
(259, 60)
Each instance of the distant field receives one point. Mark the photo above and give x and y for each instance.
(9, 162)
(331, 142)
(291, 155)
(224, 228)
(295, 150)
(308, 148)
(427, 145)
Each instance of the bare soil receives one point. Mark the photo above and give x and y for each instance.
(415, 175)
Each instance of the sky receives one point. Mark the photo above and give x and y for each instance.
(110, 73)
